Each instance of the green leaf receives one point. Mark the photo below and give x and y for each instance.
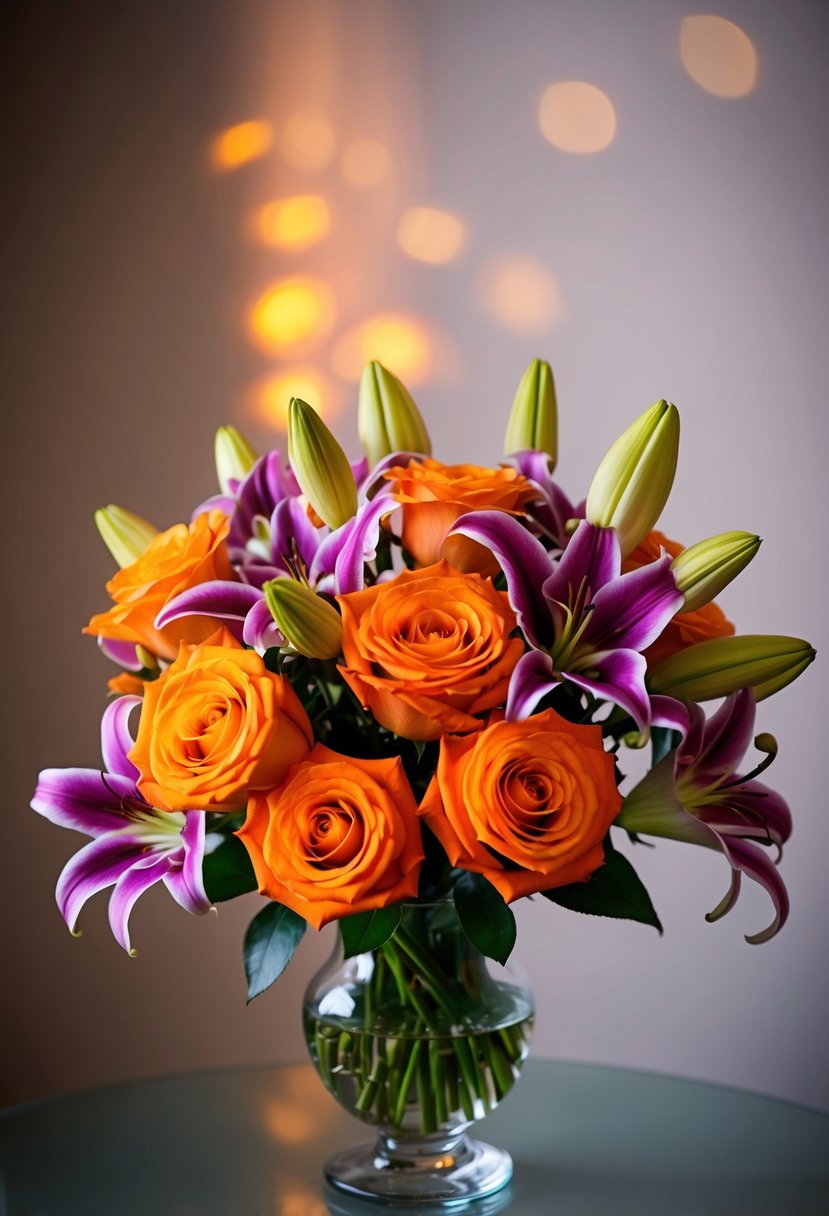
(368, 930)
(228, 871)
(270, 942)
(663, 740)
(613, 890)
(485, 917)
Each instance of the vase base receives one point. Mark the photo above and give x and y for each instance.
(472, 1170)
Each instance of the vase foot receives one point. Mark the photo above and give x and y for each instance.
(469, 1170)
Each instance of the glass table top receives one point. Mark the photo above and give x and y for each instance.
(586, 1141)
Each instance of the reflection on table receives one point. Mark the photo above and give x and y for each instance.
(251, 1142)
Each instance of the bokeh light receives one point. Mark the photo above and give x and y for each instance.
(244, 142)
(268, 398)
(718, 55)
(307, 140)
(399, 341)
(297, 1199)
(430, 235)
(576, 117)
(365, 163)
(292, 312)
(294, 223)
(521, 294)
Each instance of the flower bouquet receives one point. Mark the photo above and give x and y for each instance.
(397, 694)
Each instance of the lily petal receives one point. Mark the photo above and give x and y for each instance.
(532, 678)
(83, 799)
(227, 601)
(631, 611)
(185, 881)
(670, 713)
(290, 527)
(618, 676)
(727, 736)
(591, 559)
(260, 630)
(143, 874)
(526, 564)
(122, 653)
(116, 740)
(750, 860)
(94, 867)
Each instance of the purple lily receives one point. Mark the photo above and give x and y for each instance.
(586, 622)
(134, 845)
(554, 510)
(333, 564)
(695, 794)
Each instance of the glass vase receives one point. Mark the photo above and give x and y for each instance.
(419, 1038)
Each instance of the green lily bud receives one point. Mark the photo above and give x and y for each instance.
(387, 418)
(320, 465)
(308, 622)
(125, 534)
(763, 662)
(234, 457)
(632, 483)
(533, 419)
(704, 569)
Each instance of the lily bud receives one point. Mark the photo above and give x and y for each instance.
(125, 534)
(704, 569)
(533, 419)
(320, 465)
(387, 418)
(632, 483)
(308, 622)
(234, 457)
(764, 663)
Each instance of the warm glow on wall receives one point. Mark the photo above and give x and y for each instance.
(307, 140)
(521, 294)
(296, 1199)
(270, 396)
(245, 142)
(430, 235)
(365, 163)
(291, 312)
(294, 223)
(398, 341)
(718, 55)
(576, 117)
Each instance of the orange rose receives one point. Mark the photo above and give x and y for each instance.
(686, 628)
(216, 725)
(435, 495)
(126, 684)
(540, 793)
(339, 836)
(175, 560)
(429, 650)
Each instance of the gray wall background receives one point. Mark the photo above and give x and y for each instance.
(691, 260)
